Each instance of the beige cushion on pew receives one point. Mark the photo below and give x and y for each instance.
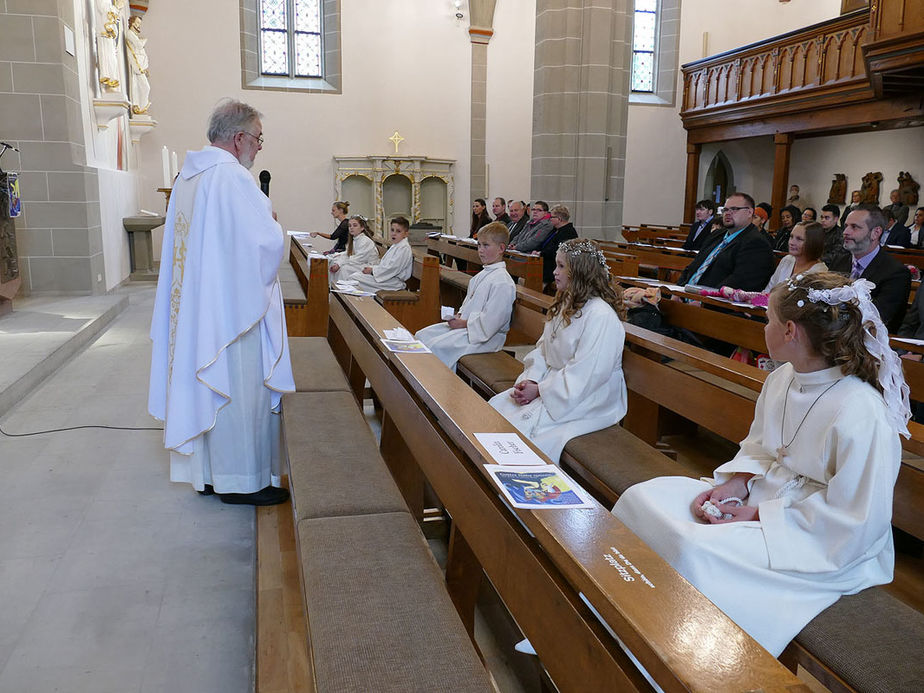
(379, 616)
(871, 640)
(314, 366)
(497, 370)
(619, 458)
(397, 295)
(334, 463)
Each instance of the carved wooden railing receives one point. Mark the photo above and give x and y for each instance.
(823, 58)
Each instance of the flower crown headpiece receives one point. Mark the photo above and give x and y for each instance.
(585, 246)
(895, 391)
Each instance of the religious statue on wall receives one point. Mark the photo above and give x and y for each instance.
(140, 91)
(869, 191)
(838, 193)
(108, 18)
(908, 189)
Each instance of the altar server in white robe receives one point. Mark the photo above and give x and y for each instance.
(482, 322)
(394, 269)
(802, 514)
(360, 251)
(572, 382)
(220, 358)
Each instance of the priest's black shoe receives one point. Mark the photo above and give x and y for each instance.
(265, 496)
(207, 491)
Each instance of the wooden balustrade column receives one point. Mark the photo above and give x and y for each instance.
(691, 192)
(782, 143)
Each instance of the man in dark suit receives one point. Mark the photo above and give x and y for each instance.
(916, 230)
(862, 233)
(834, 236)
(894, 233)
(740, 257)
(700, 229)
(518, 218)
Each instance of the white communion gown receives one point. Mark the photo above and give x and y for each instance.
(487, 308)
(825, 510)
(364, 253)
(391, 272)
(581, 384)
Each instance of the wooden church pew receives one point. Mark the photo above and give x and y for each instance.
(305, 293)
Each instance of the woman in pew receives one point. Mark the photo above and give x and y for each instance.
(360, 251)
(572, 382)
(482, 322)
(802, 514)
(806, 244)
(394, 269)
(341, 235)
(788, 218)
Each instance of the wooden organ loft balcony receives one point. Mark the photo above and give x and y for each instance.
(862, 70)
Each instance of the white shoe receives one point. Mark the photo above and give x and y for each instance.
(526, 647)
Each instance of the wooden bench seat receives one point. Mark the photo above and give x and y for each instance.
(335, 467)
(379, 615)
(314, 366)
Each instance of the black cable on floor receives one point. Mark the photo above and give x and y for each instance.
(74, 428)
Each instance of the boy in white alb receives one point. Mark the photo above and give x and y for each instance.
(482, 322)
(394, 269)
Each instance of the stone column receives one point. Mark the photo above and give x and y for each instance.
(580, 109)
(59, 234)
(480, 32)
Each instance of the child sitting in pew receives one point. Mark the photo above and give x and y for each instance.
(802, 514)
(482, 322)
(360, 251)
(395, 267)
(572, 382)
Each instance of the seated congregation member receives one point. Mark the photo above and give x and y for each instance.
(802, 514)
(482, 322)
(360, 251)
(702, 227)
(759, 220)
(395, 268)
(867, 260)
(855, 199)
(572, 382)
(339, 211)
(518, 219)
(894, 233)
(740, 257)
(788, 218)
(806, 243)
(536, 231)
(898, 209)
(914, 231)
(809, 214)
(834, 235)
(563, 231)
(499, 208)
(480, 217)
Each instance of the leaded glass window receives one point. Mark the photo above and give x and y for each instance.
(290, 38)
(644, 40)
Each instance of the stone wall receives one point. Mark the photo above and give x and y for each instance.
(59, 233)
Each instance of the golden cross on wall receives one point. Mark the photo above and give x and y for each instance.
(396, 139)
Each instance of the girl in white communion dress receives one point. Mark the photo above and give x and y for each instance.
(802, 514)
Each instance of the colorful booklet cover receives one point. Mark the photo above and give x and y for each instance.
(538, 487)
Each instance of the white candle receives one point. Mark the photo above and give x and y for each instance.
(165, 156)
(174, 167)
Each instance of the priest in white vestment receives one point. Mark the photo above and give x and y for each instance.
(396, 265)
(482, 322)
(220, 358)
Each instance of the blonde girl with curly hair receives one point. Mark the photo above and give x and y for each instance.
(572, 382)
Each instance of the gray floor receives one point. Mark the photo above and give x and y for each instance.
(112, 579)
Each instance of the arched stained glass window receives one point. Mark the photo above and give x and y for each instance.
(644, 45)
(290, 38)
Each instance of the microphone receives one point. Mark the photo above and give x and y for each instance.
(10, 146)
(265, 181)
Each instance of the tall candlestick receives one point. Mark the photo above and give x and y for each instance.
(174, 167)
(165, 156)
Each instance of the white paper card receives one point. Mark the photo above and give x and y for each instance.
(447, 312)
(508, 448)
(399, 334)
(908, 340)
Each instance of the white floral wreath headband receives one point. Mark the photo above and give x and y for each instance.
(585, 246)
